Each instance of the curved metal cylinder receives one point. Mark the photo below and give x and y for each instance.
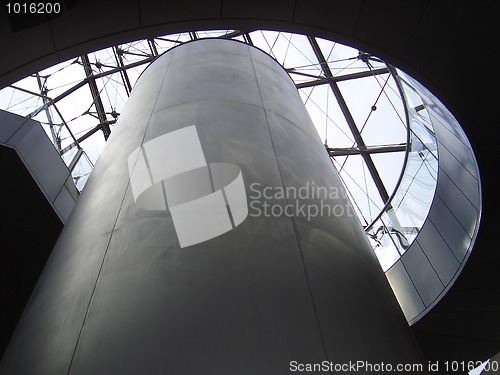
(213, 236)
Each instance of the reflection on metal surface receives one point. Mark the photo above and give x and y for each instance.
(205, 200)
(426, 232)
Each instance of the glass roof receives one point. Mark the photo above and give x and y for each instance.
(351, 97)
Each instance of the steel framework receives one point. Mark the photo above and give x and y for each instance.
(125, 58)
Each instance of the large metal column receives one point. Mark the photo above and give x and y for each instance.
(213, 237)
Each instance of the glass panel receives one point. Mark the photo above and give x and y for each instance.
(81, 172)
(382, 241)
(403, 218)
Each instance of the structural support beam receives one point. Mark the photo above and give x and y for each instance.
(345, 77)
(100, 75)
(152, 46)
(350, 120)
(345, 151)
(95, 129)
(247, 38)
(46, 102)
(123, 72)
(233, 34)
(101, 114)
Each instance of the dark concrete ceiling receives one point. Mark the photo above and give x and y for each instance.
(447, 45)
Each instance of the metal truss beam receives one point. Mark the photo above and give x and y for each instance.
(46, 102)
(123, 72)
(152, 47)
(350, 120)
(95, 129)
(247, 38)
(101, 75)
(101, 113)
(234, 34)
(122, 67)
(399, 147)
(345, 77)
(177, 42)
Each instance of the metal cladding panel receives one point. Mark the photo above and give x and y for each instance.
(462, 208)
(450, 228)
(9, 124)
(405, 290)
(127, 292)
(37, 152)
(439, 114)
(42, 160)
(442, 258)
(461, 176)
(458, 149)
(64, 203)
(423, 275)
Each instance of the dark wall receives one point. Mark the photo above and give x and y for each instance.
(29, 228)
